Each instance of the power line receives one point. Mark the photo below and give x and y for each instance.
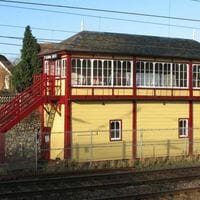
(10, 44)
(101, 10)
(37, 28)
(11, 37)
(94, 16)
(78, 14)
(21, 38)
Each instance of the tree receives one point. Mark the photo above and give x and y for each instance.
(30, 63)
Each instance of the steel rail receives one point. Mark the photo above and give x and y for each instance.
(68, 189)
(151, 195)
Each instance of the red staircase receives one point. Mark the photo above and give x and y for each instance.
(43, 90)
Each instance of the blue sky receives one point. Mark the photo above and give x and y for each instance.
(70, 20)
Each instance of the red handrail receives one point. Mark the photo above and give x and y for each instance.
(24, 103)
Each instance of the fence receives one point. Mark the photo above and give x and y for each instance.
(96, 145)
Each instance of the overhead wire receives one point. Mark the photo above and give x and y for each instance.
(95, 16)
(21, 38)
(36, 28)
(100, 10)
(110, 18)
(102, 17)
(10, 44)
(87, 15)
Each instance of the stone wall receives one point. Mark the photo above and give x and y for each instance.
(20, 141)
(5, 99)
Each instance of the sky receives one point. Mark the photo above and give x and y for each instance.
(54, 24)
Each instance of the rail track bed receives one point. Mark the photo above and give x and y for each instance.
(108, 185)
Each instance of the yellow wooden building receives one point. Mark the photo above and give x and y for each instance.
(121, 96)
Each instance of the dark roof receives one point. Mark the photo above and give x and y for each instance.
(127, 44)
(6, 63)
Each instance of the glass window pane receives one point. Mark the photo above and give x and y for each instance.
(183, 127)
(115, 130)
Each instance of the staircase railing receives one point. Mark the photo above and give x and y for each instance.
(12, 112)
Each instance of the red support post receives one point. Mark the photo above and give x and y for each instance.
(67, 129)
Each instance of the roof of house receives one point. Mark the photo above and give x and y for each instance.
(7, 64)
(127, 44)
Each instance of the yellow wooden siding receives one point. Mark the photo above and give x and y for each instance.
(57, 133)
(102, 91)
(81, 91)
(123, 91)
(196, 125)
(63, 87)
(159, 92)
(180, 92)
(129, 91)
(157, 123)
(196, 93)
(145, 92)
(163, 92)
(90, 124)
(57, 136)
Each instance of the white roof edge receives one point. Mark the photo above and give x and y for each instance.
(5, 68)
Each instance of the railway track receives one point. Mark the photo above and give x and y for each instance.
(116, 185)
(191, 193)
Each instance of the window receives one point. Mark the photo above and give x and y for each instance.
(97, 72)
(196, 75)
(63, 68)
(140, 76)
(156, 74)
(76, 71)
(117, 72)
(107, 72)
(166, 75)
(126, 73)
(52, 67)
(183, 128)
(81, 72)
(180, 75)
(86, 72)
(58, 68)
(55, 67)
(100, 72)
(115, 130)
(46, 67)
